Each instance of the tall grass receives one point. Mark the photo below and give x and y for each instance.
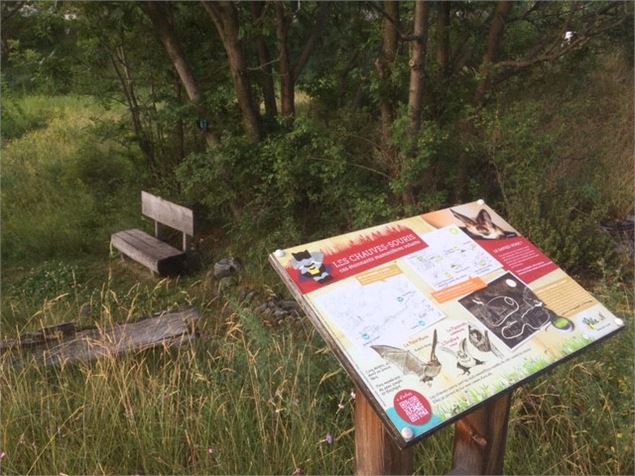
(238, 401)
(250, 399)
(65, 185)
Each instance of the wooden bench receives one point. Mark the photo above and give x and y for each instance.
(152, 251)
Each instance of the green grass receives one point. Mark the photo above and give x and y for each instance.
(77, 183)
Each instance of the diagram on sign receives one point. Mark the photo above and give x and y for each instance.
(450, 258)
(509, 309)
(389, 310)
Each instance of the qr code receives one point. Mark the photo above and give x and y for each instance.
(413, 407)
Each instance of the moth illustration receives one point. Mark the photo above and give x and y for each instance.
(464, 359)
(311, 265)
(482, 227)
(409, 363)
(482, 342)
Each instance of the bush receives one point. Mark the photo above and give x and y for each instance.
(554, 207)
(299, 182)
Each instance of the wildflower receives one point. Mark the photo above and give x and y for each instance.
(340, 406)
(2, 455)
(353, 395)
(298, 472)
(211, 451)
(329, 439)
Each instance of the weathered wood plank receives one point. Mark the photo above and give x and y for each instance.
(120, 243)
(480, 437)
(159, 257)
(174, 328)
(155, 247)
(168, 213)
(375, 451)
(45, 335)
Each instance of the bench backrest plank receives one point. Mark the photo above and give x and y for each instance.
(168, 213)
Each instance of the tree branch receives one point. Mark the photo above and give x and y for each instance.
(318, 27)
(402, 36)
(548, 56)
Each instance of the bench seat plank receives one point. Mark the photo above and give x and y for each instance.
(160, 257)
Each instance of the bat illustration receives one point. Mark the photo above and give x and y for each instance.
(464, 360)
(481, 341)
(409, 363)
(482, 227)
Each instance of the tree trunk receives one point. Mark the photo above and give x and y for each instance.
(415, 92)
(494, 37)
(266, 71)
(287, 92)
(7, 11)
(180, 130)
(443, 39)
(225, 17)
(318, 27)
(176, 54)
(289, 74)
(145, 144)
(417, 66)
(390, 34)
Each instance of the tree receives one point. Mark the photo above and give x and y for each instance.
(264, 58)
(290, 73)
(492, 47)
(417, 65)
(384, 65)
(165, 30)
(225, 17)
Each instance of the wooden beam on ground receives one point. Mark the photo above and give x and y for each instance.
(480, 437)
(46, 335)
(375, 450)
(169, 329)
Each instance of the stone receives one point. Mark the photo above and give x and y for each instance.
(227, 267)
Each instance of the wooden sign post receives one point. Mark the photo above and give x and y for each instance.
(437, 318)
(479, 441)
(375, 450)
(480, 438)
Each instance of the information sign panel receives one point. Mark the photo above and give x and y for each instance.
(435, 314)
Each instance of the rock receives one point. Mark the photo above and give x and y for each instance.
(260, 309)
(288, 305)
(250, 296)
(227, 267)
(280, 313)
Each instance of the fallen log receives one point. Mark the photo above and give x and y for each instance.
(46, 335)
(167, 329)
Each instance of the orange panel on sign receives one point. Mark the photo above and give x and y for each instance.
(378, 275)
(461, 289)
